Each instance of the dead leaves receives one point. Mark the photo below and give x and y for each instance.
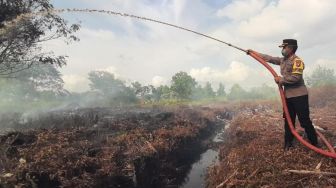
(86, 157)
(254, 144)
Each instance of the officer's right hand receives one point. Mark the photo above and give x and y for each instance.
(278, 80)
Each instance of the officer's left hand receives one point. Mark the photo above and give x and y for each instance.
(278, 79)
(248, 52)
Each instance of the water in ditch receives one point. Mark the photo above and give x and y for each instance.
(196, 176)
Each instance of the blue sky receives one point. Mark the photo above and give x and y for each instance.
(152, 53)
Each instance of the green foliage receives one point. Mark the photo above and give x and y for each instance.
(145, 93)
(43, 81)
(43, 88)
(261, 92)
(111, 88)
(137, 87)
(105, 83)
(164, 92)
(198, 93)
(125, 96)
(205, 92)
(321, 76)
(38, 87)
(221, 90)
(209, 92)
(20, 44)
(182, 85)
(237, 93)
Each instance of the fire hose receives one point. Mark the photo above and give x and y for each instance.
(330, 153)
(253, 54)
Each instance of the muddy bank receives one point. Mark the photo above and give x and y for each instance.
(252, 153)
(107, 147)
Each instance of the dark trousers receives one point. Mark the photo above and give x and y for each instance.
(299, 106)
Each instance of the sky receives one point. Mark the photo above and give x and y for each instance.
(152, 53)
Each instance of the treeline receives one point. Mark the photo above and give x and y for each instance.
(182, 88)
(42, 86)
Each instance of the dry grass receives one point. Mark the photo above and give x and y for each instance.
(322, 96)
(252, 154)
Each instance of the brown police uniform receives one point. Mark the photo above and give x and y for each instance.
(296, 93)
(292, 72)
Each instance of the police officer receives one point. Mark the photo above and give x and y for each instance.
(295, 90)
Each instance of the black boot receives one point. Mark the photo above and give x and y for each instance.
(288, 146)
(316, 144)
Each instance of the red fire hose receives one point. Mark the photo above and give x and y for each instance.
(330, 153)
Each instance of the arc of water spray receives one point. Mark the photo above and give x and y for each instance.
(42, 13)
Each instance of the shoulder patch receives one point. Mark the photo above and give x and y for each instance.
(298, 66)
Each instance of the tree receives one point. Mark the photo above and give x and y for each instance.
(105, 83)
(32, 84)
(23, 28)
(198, 92)
(164, 92)
(221, 90)
(142, 91)
(321, 76)
(209, 91)
(156, 93)
(262, 92)
(182, 85)
(137, 87)
(237, 93)
(44, 78)
(111, 88)
(125, 96)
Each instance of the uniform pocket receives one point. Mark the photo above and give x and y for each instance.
(289, 67)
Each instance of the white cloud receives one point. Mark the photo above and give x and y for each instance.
(137, 50)
(112, 70)
(237, 72)
(178, 7)
(158, 81)
(287, 18)
(326, 63)
(98, 34)
(241, 9)
(76, 83)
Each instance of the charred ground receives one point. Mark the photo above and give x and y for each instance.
(156, 146)
(103, 147)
